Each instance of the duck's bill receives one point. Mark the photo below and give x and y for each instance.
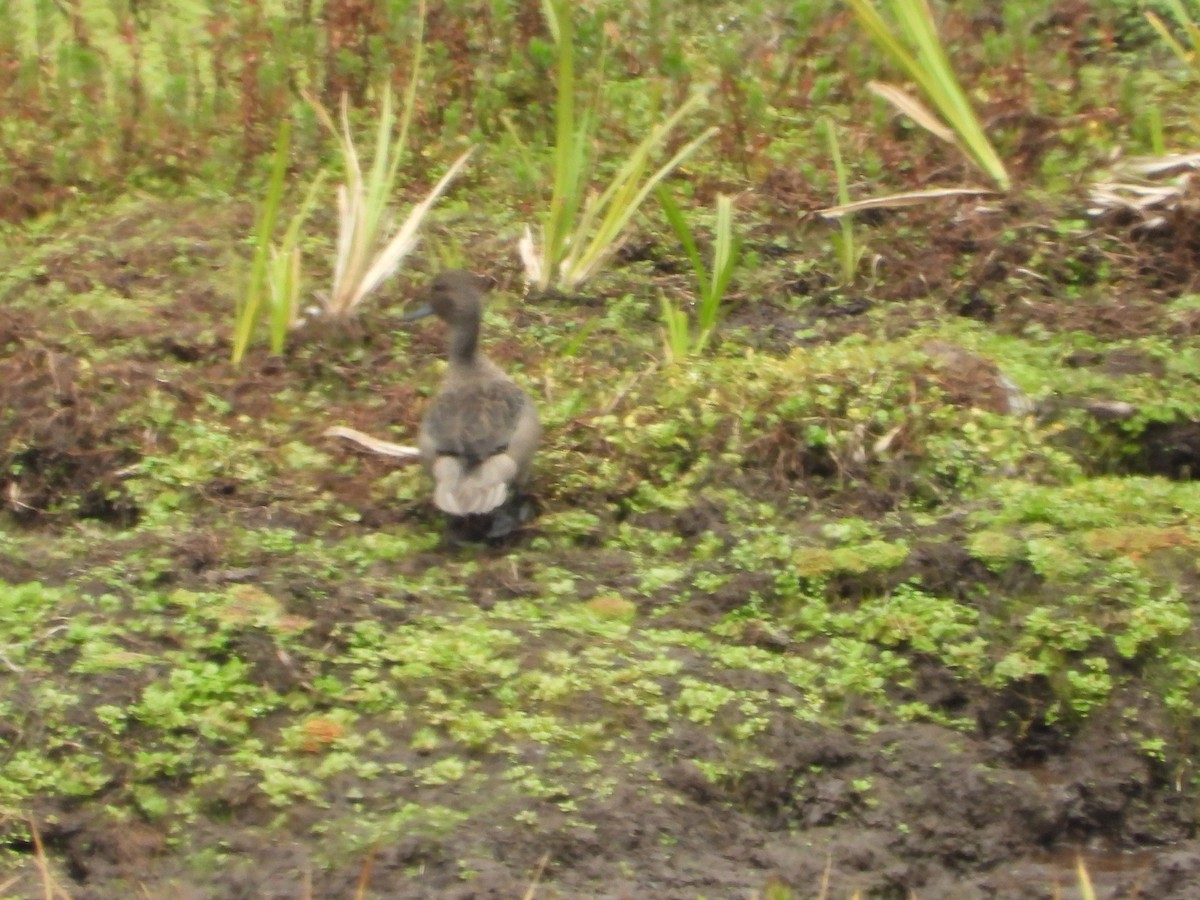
(418, 313)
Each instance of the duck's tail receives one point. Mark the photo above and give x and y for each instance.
(461, 491)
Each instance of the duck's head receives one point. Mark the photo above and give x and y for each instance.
(455, 297)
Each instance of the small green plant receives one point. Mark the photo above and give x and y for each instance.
(712, 282)
(277, 281)
(249, 306)
(366, 255)
(579, 234)
(284, 275)
(677, 337)
(925, 61)
(848, 252)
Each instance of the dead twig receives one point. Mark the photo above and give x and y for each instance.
(364, 876)
(899, 201)
(537, 877)
(375, 445)
(51, 890)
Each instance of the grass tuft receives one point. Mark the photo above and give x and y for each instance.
(368, 251)
(711, 281)
(582, 227)
(913, 44)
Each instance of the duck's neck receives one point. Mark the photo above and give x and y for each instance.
(464, 342)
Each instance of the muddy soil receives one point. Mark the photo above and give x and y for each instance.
(1000, 811)
(952, 817)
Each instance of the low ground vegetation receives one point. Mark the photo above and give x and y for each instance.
(889, 586)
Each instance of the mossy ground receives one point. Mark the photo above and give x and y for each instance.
(895, 585)
(819, 595)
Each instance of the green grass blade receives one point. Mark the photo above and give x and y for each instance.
(881, 33)
(618, 216)
(725, 258)
(550, 10)
(405, 239)
(292, 235)
(916, 19)
(578, 245)
(285, 288)
(376, 184)
(839, 167)
(637, 159)
(847, 254)
(930, 68)
(365, 255)
(575, 342)
(1177, 48)
(348, 194)
(569, 142)
(682, 231)
(675, 329)
(286, 276)
(1184, 18)
(522, 147)
(580, 230)
(248, 311)
(570, 224)
(410, 95)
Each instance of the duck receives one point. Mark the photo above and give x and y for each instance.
(479, 433)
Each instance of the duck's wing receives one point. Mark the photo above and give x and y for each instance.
(478, 440)
(475, 421)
